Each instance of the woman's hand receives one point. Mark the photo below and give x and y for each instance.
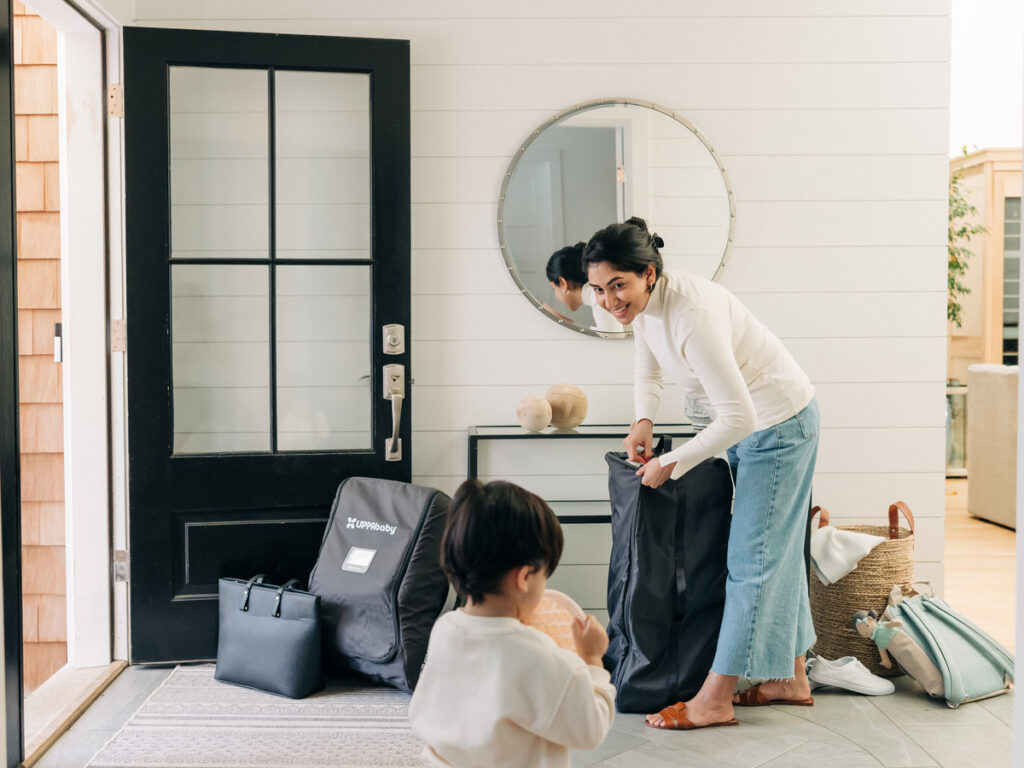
(641, 436)
(654, 474)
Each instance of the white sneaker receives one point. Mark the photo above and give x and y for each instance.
(846, 673)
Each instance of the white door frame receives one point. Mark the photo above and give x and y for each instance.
(91, 248)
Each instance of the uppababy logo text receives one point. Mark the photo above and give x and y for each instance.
(370, 525)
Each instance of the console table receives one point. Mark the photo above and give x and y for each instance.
(605, 437)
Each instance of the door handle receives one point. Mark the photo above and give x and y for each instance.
(394, 390)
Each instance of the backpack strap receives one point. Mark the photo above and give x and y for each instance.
(896, 595)
(928, 584)
(952, 680)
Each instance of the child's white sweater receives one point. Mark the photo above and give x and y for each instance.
(496, 694)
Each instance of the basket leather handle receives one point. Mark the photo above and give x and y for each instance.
(894, 515)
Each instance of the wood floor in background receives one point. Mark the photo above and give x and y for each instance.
(981, 567)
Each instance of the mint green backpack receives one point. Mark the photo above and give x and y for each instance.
(973, 665)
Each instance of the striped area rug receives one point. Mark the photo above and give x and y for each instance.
(193, 720)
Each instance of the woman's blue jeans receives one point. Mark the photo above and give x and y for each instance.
(767, 621)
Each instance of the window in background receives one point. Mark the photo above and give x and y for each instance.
(1011, 279)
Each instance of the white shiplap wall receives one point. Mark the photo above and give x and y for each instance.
(831, 120)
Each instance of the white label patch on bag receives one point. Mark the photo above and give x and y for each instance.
(358, 560)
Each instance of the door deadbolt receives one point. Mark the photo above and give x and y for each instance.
(394, 339)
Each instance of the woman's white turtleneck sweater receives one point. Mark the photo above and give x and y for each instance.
(699, 335)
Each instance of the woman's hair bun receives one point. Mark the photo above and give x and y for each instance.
(628, 246)
(641, 224)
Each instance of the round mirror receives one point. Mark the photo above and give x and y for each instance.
(601, 162)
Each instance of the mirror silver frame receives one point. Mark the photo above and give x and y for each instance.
(584, 106)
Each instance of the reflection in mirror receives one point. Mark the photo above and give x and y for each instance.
(599, 163)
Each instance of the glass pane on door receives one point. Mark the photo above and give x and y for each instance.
(219, 177)
(322, 165)
(323, 358)
(220, 347)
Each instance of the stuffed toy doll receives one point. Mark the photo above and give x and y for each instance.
(893, 641)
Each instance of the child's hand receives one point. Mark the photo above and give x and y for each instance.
(591, 640)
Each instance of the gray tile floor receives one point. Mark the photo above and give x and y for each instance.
(904, 730)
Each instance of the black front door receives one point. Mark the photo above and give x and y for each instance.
(267, 216)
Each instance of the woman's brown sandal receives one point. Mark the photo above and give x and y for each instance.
(675, 719)
(752, 697)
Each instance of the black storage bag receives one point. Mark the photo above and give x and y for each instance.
(666, 581)
(268, 637)
(379, 578)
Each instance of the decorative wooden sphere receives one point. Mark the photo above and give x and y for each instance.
(568, 405)
(534, 413)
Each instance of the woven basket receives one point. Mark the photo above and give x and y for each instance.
(866, 587)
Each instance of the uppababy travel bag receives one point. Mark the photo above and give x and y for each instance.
(379, 578)
(666, 581)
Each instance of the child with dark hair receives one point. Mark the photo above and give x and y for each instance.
(493, 691)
